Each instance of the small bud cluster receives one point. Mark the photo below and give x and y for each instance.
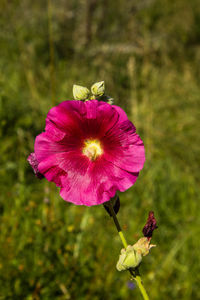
(97, 92)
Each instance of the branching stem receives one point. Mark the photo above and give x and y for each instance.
(134, 272)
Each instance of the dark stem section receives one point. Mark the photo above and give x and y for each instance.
(114, 217)
(115, 201)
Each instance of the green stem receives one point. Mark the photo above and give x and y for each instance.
(141, 287)
(124, 242)
(134, 273)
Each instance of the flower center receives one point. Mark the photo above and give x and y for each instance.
(92, 149)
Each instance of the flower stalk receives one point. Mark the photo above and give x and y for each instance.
(134, 272)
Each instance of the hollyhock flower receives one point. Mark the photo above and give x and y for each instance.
(90, 150)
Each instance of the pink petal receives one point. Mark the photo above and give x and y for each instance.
(95, 183)
(124, 148)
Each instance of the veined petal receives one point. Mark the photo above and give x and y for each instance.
(95, 183)
(45, 146)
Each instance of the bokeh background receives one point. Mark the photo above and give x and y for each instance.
(148, 53)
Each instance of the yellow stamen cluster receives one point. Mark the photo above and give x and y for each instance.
(92, 149)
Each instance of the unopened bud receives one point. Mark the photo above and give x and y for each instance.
(98, 89)
(34, 164)
(150, 225)
(131, 257)
(80, 92)
(110, 100)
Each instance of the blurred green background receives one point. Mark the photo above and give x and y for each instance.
(148, 53)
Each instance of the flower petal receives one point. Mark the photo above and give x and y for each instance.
(95, 182)
(124, 148)
(45, 146)
(122, 115)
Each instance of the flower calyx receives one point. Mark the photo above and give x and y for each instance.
(131, 257)
(115, 202)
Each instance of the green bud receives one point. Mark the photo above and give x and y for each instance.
(110, 100)
(80, 92)
(131, 257)
(98, 89)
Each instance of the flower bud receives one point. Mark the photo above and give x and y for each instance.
(34, 164)
(110, 100)
(131, 257)
(150, 225)
(98, 89)
(80, 92)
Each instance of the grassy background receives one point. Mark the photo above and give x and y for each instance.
(148, 53)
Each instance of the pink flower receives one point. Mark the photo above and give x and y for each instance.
(90, 150)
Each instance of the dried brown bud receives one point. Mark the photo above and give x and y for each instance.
(150, 225)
